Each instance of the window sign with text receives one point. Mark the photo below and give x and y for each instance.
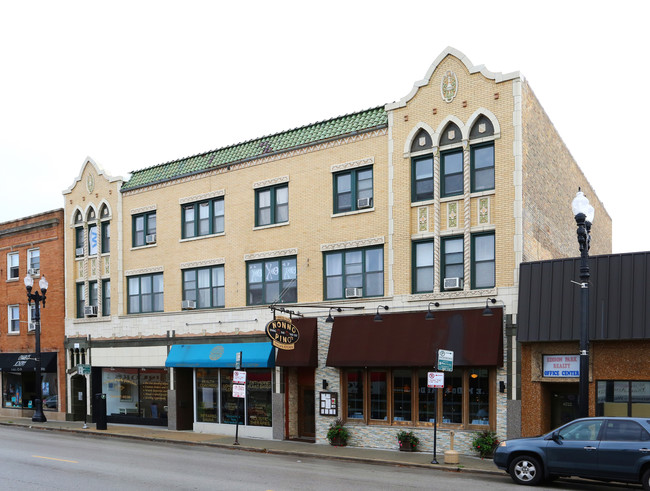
(561, 366)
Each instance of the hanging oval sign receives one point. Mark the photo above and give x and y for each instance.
(283, 333)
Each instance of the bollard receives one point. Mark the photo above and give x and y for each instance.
(451, 456)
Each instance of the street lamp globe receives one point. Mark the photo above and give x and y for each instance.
(580, 204)
(43, 284)
(29, 282)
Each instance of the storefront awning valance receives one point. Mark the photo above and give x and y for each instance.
(254, 355)
(408, 340)
(305, 352)
(26, 362)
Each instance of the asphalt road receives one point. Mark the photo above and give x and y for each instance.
(36, 459)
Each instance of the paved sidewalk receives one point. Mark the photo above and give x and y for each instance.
(467, 463)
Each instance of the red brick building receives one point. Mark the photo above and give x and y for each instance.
(32, 245)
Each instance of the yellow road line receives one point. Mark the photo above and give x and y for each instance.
(52, 458)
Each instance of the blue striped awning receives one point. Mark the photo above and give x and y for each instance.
(254, 355)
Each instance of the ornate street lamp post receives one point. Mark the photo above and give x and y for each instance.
(37, 298)
(584, 215)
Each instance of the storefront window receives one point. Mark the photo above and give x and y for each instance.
(378, 395)
(14, 389)
(452, 398)
(426, 398)
(19, 390)
(402, 395)
(136, 392)
(207, 393)
(464, 401)
(623, 398)
(355, 394)
(229, 404)
(258, 394)
(479, 400)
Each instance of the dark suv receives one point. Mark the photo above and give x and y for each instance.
(607, 449)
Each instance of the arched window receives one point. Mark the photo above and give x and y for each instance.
(482, 154)
(105, 238)
(422, 167)
(451, 161)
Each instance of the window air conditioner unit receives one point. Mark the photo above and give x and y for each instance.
(353, 293)
(79, 251)
(188, 304)
(453, 283)
(90, 311)
(31, 327)
(33, 271)
(364, 203)
(151, 239)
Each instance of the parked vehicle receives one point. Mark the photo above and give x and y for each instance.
(603, 448)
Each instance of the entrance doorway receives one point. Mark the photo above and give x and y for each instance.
(78, 392)
(306, 404)
(564, 404)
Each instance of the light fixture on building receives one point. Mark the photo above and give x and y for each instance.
(430, 316)
(378, 317)
(584, 215)
(38, 298)
(330, 319)
(487, 311)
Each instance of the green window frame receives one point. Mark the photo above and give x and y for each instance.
(452, 258)
(354, 268)
(203, 218)
(451, 173)
(423, 266)
(81, 300)
(422, 178)
(93, 293)
(352, 186)
(106, 297)
(483, 261)
(79, 241)
(482, 167)
(272, 280)
(106, 237)
(205, 286)
(143, 225)
(272, 205)
(145, 293)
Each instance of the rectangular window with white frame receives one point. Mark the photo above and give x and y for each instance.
(13, 319)
(31, 317)
(34, 261)
(13, 263)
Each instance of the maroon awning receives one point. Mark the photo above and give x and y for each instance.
(408, 340)
(305, 351)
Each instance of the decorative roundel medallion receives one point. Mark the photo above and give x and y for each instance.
(449, 86)
(90, 183)
(216, 353)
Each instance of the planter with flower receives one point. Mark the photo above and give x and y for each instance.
(337, 434)
(485, 443)
(407, 440)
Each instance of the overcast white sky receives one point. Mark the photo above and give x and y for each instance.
(136, 83)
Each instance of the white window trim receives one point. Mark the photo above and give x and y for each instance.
(29, 257)
(9, 255)
(10, 319)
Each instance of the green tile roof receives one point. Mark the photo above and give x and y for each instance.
(306, 135)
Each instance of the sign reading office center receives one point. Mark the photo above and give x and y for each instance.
(560, 366)
(283, 333)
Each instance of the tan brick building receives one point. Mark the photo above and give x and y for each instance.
(427, 204)
(32, 246)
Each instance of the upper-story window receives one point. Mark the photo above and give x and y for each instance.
(422, 172)
(482, 154)
(353, 190)
(272, 281)
(452, 267)
(203, 218)
(13, 319)
(483, 261)
(104, 215)
(80, 300)
(79, 241)
(106, 297)
(272, 205)
(34, 261)
(205, 286)
(92, 239)
(144, 229)
(354, 273)
(422, 167)
(13, 263)
(145, 293)
(423, 266)
(451, 173)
